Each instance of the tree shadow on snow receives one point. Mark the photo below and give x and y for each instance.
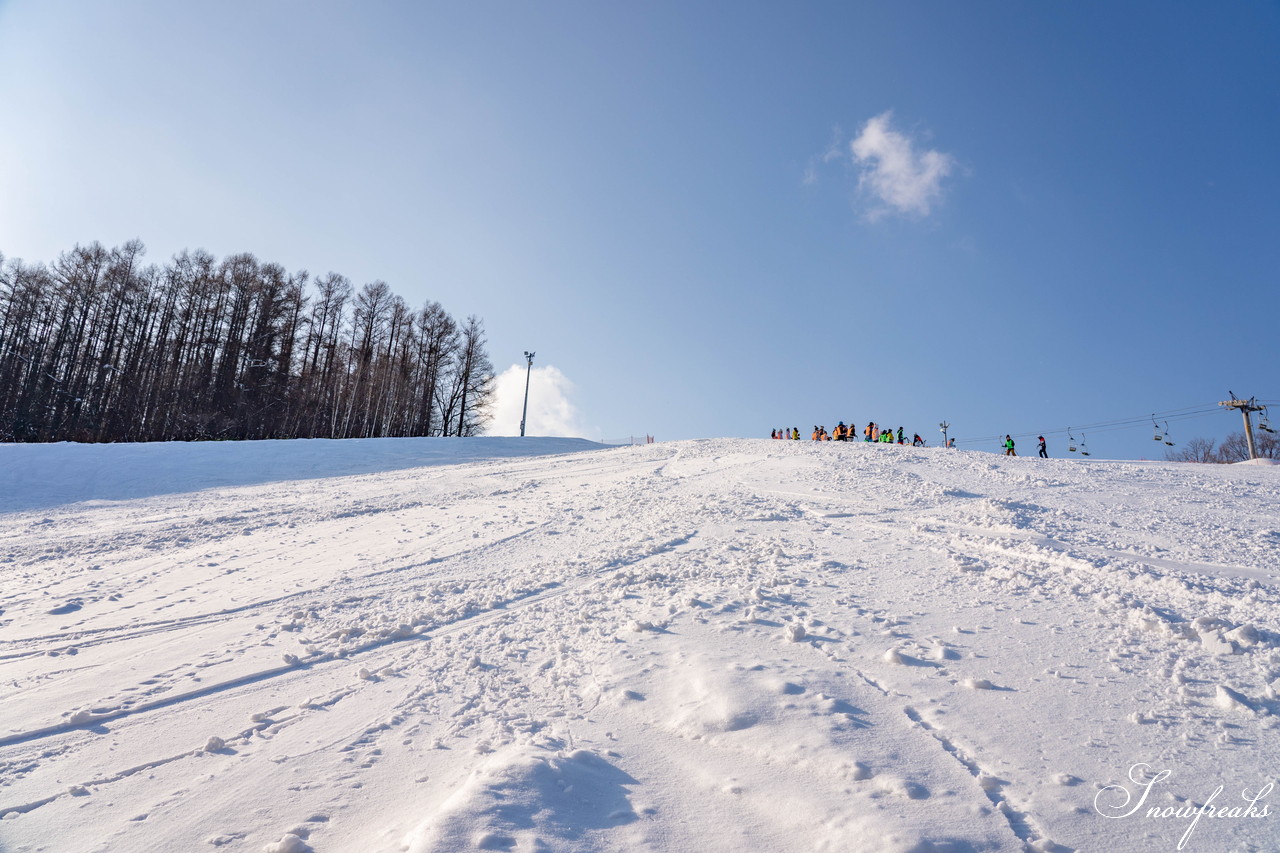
(42, 476)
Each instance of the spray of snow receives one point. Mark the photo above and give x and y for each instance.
(551, 408)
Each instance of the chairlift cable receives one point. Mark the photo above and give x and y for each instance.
(1170, 415)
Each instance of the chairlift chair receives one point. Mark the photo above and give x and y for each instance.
(1158, 436)
(1084, 447)
(1166, 434)
(1263, 423)
(1071, 442)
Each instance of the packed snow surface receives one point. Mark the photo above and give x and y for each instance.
(545, 645)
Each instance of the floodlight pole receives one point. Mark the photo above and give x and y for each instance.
(944, 426)
(1245, 407)
(528, 369)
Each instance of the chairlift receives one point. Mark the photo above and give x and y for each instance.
(1084, 447)
(1071, 442)
(1166, 434)
(1158, 436)
(1263, 423)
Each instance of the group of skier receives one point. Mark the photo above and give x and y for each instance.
(871, 433)
(1009, 451)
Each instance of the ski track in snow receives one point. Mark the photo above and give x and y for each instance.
(711, 645)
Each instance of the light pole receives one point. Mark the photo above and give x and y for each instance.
(943, 429)
(528, 369)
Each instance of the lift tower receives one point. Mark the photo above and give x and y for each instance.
(1245, 407)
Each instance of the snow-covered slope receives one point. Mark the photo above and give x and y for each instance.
(728, 645)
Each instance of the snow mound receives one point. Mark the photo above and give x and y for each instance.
(528, 798)
(289, 843)
(1231, 700)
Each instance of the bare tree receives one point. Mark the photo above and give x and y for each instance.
(436, 338)
(1195, 450)
(99, 347)
(1234, 448)
(475, 379)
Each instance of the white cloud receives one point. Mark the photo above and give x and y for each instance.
(551, 410)
(905, 180)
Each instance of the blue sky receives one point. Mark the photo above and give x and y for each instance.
(664, 202)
